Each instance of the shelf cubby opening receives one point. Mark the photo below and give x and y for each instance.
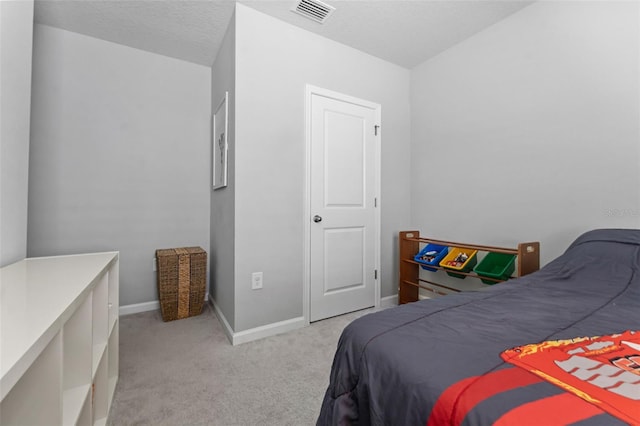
(32, 400)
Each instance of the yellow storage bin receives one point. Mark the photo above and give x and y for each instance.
(461, 260)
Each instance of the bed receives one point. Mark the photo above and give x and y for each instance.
(558, 346)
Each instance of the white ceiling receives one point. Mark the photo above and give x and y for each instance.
(400, 31)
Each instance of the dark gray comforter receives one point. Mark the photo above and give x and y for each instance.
(391, 367)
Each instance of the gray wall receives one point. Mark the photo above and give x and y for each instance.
(274, 62)
(119, 154)
(222, 287)
(16, 33)
(530, 129)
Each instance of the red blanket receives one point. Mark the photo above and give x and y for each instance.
(602, 370)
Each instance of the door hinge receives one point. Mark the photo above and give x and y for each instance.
(375, 129)
(375, 274)
(375, 202)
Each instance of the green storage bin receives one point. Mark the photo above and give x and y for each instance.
(496, 265)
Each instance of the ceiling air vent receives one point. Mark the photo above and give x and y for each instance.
(313, 9)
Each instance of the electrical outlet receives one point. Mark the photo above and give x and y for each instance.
(256, 280)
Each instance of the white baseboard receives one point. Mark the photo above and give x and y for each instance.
(143, 307)
(256, 333)
(223, 320)
(389, 301)
(139, 307)
(268, 330)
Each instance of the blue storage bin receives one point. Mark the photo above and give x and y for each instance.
(441, 251)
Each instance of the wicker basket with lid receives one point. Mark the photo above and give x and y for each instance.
(181, 281)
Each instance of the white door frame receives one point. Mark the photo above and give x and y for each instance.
(306, 270)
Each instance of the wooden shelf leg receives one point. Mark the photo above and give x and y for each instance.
(408, 271)
(528, 258)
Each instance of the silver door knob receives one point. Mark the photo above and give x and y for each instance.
(317, 218)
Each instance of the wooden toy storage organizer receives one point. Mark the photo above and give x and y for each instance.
(528, 261)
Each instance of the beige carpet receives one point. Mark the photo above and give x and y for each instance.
(186, 372)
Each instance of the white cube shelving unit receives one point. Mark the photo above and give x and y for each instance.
(59, 339)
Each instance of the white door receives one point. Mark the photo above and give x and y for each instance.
(343, 220)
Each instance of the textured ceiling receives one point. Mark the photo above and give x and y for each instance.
(403, 32)
(183, 29)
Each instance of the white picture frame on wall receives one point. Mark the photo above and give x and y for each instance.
(219, 144)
